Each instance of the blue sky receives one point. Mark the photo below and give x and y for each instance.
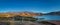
(29, 5)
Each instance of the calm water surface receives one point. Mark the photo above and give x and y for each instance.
(49, 17)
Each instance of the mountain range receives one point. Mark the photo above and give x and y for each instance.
(53, 13)
(25, 14)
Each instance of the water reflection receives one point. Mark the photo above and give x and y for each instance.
(48, 17)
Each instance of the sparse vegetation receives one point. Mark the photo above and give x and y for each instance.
(20, 18)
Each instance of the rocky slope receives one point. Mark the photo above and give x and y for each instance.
(11, 14)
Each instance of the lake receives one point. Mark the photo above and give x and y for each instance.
(48, 17)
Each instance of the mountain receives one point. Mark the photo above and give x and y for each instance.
(25, 14)
(53, 13)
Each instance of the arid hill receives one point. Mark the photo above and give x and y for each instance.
(25, 14)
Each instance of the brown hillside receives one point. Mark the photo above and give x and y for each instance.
(20, 14)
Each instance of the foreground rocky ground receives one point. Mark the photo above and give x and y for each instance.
(19, 20)
(28, 23)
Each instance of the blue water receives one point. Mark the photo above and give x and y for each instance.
(49, 17)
